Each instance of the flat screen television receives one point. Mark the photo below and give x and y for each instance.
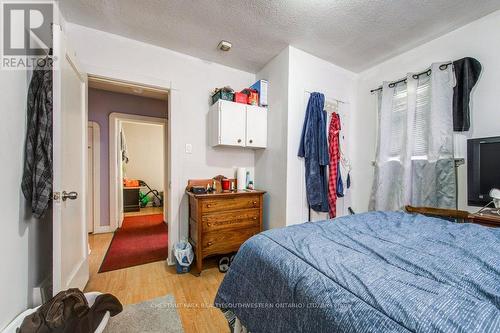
(483, 169)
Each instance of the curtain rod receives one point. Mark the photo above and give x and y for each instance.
(415, 76)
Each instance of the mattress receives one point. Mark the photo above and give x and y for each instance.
(372, 272)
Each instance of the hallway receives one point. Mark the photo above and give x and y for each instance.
(140, 240)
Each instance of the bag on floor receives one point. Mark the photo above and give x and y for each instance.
(183, 252)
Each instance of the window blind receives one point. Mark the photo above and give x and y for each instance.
(420, 125)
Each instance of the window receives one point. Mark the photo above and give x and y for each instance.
(420, 125)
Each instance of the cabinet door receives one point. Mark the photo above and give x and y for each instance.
(256, 127)
(232, 124)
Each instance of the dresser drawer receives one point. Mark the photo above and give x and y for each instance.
(231, 220)
(217, 205)
(221, 242)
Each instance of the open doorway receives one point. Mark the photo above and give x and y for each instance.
(132, 167)
(142, 166)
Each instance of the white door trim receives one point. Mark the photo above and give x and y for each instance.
(79, 275)
(116, 186)
(175, 182)
(96, 170)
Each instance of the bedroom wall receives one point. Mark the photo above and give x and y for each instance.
(100, 105)
(270, 163)
(308, 73)
(291, 74)
(478, 39)
(25, 242)
(191, 79)
(145, 150)
(15, 235)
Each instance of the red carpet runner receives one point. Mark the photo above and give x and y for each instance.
(140, 240)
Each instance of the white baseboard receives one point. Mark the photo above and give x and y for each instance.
(170, 261)
(43, 292)
(103, 229)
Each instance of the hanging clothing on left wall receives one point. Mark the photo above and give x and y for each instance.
(314, 148)
(36, 183)
(123, 146)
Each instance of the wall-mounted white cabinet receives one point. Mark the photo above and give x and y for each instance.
(236, 124)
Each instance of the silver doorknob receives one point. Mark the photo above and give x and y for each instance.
(71, 195)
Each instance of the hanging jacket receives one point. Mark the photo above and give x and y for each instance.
(467, 71)
(333, 146)
(37, 174)
(314, 149)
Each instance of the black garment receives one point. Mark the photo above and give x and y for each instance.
(69, 312)
(467, 71)
(37, 175)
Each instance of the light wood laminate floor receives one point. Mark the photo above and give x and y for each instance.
(194, 295)
(145, 211)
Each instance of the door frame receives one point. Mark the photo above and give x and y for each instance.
(95, 191)
(79, 276)
(115, 186)
(175, 180)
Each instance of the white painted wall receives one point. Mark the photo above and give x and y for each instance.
(25, 243)
(309, 74)
(478, 39)
(14, 236)
(145, 151)
(291, 75)
(270, 163)
(191, 79)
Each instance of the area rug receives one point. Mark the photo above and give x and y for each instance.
(140, 240)
(157, 315)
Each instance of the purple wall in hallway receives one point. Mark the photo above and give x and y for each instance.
(101, 105)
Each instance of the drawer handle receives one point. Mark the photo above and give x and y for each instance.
(209, 224)
(239, 140)
(255, 217)
(209, 244)
(255, 203)
(209, 205)
(251, 141)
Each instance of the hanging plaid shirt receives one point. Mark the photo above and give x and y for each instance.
(37, 175)
(333, 149)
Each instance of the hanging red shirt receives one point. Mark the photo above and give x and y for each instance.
(333, 150)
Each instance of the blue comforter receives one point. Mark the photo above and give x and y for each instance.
(373, 272)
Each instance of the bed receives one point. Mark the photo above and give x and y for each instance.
(371, 272)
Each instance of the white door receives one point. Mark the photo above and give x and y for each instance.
(232, 124)
(256, 127)
(70, 244)
(90, 179)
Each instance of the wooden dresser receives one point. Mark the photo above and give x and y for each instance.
(219, 223)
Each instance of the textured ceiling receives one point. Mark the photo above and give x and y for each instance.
(354, 34)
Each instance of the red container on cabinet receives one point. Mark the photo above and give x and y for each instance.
(226, 183)
(240, 97)
(252, 96)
